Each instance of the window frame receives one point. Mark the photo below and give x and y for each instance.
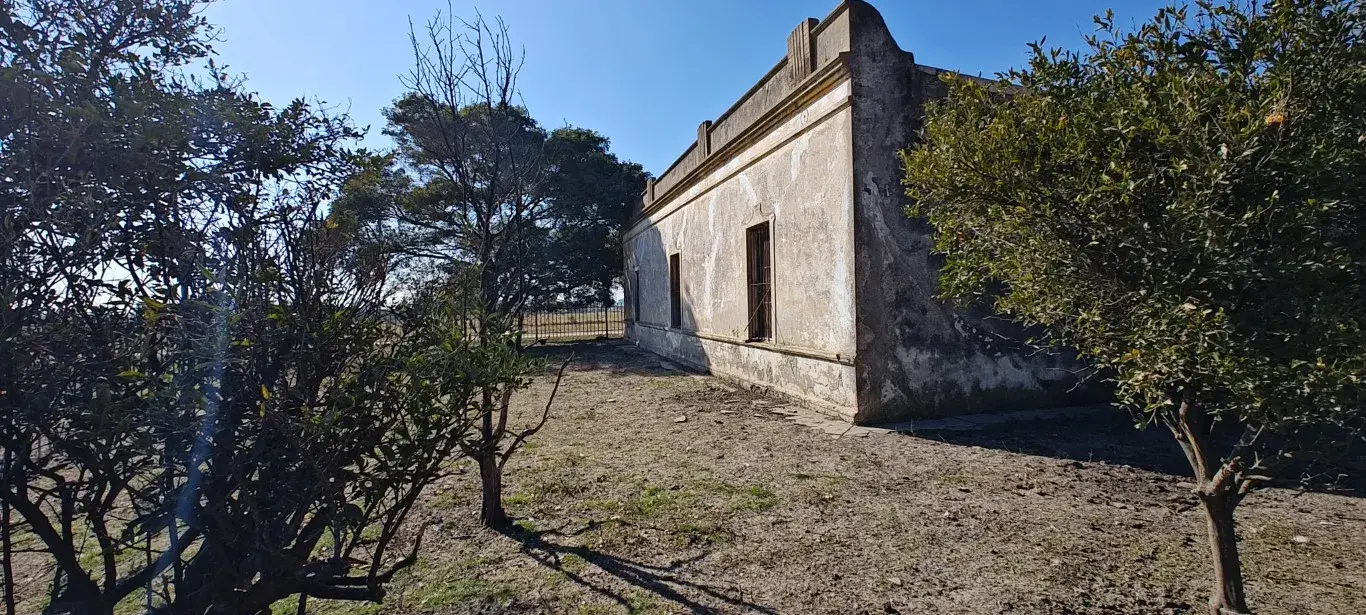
(759, 282)
(635, 294)
(675, 292)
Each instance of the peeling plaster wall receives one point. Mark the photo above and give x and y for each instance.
(918, 356)
(823, 385)
(859, 330)
(798, 178)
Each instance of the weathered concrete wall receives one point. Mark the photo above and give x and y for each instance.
(797, 177)
(919, 357)
(819, 383)
(812, 149)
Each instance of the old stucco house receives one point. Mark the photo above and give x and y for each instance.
(776, 250)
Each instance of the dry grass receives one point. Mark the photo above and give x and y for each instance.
(624, 510)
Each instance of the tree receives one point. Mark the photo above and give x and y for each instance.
(82, 89)
(480, 191)
(557, 221)
(208, 401)
(591, 192)
(1183, 205)
(491, 211)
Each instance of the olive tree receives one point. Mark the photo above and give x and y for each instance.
(1183, 204)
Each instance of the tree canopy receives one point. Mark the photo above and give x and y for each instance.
(211, 399)
(549, 203)
(1184, 205)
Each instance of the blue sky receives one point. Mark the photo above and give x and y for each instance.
(643, 72)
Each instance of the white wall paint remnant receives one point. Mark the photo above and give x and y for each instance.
(800, 177)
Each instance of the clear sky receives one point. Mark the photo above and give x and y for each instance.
(643, 72)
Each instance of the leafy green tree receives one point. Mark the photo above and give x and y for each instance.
(479, 193)
(557, 230)
(208, 400)
(1184, 205)
(590, 194)
(94, 142)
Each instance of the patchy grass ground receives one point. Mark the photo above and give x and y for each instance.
(654, 491)
(626, 508)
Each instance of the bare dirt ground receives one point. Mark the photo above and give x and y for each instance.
(656, 491)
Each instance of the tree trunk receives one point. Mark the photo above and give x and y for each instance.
(6, 559)
(1191, 426)
(6, 537)
(491, 513)
(1227, 597)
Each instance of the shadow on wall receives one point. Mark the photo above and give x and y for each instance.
(649, 306)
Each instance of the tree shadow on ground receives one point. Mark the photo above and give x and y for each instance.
(1106, 436)
(666, 582)
(612, 356)
(1110, 437)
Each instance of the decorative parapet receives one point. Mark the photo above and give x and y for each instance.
(813, 45)
(800, 61)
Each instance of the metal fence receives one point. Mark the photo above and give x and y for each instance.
(578, 323)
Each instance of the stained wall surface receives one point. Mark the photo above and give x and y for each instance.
(797, 178)
(918, 355)
(813, 149)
